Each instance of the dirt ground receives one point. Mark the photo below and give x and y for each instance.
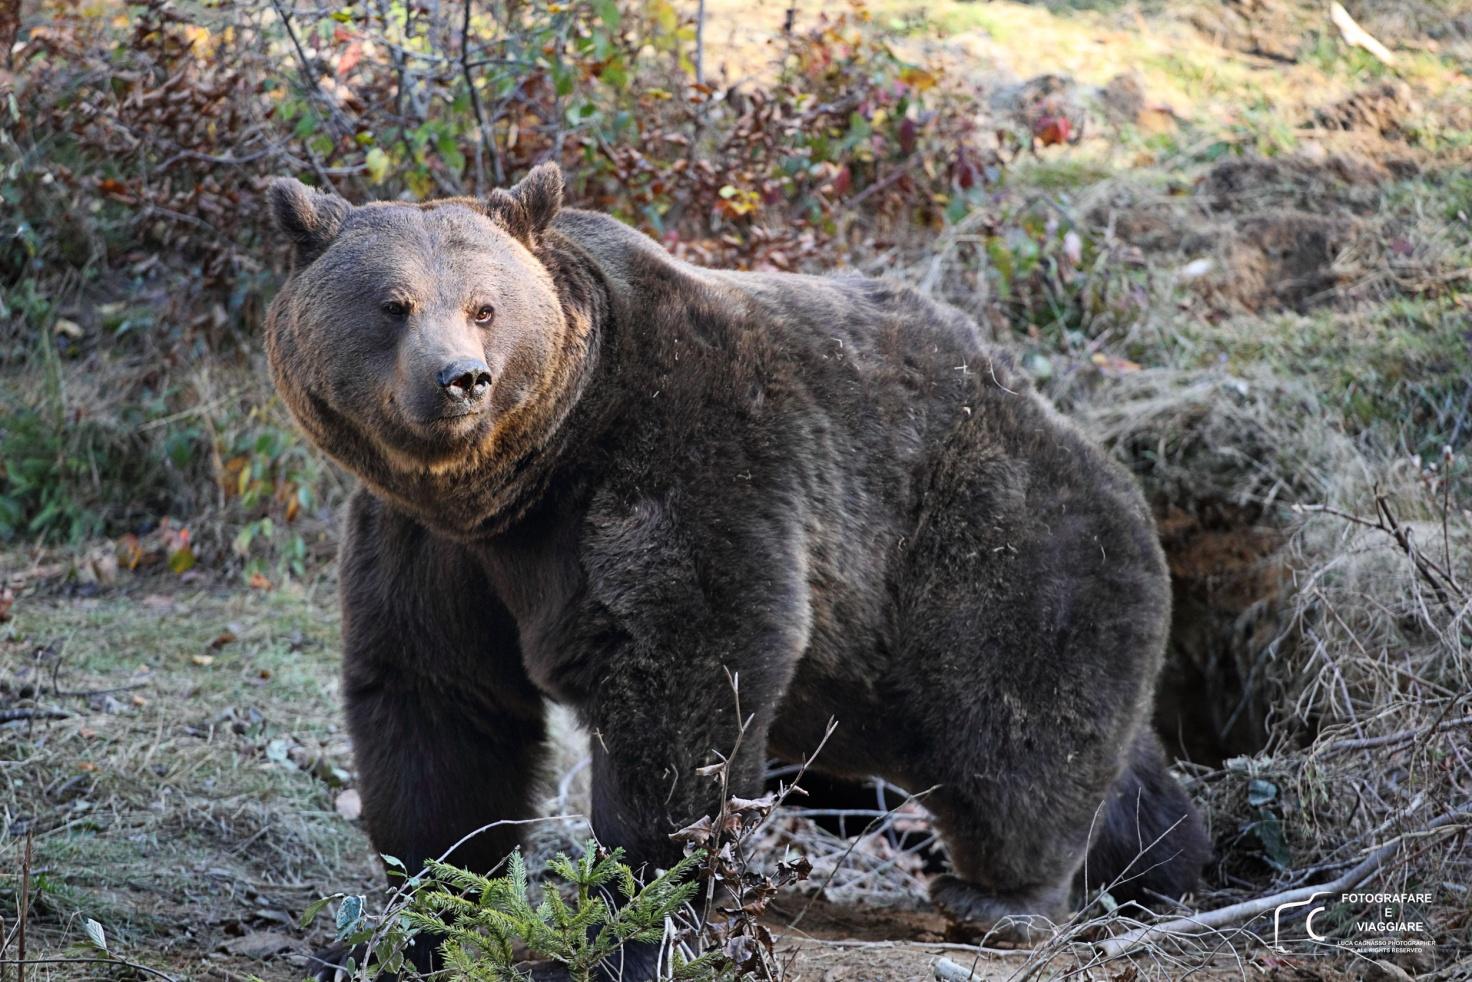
(186, 783)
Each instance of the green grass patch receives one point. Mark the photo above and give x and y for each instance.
(194, 781)
(1400, 373)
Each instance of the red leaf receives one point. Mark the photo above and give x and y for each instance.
(1052, 130)
(907, 135)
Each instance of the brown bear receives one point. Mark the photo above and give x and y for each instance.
(596, 474)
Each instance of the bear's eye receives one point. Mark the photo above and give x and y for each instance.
(396, 308)
(484, 313)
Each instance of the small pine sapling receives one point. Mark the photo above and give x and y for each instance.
(480, 919)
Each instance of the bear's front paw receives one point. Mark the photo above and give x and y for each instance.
(977, 916)
(330, 964)
(634, 962)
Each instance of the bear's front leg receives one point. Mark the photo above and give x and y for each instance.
(447, 731)
(703, 635)
(651, 735)
(653, 729)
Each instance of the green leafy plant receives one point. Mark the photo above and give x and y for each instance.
(55, 461)
(481, 920)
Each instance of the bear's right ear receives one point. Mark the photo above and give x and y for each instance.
(309, 219)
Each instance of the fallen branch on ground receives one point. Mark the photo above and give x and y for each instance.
(948, 971)
(32, 712)
(1226, 916)
(1357, 36)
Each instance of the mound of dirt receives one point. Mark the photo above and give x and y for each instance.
(1380, 109)
(1284, 259)
(1264, 28)
(1281, 233)
(1332, 182)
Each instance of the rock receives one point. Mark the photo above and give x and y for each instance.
(349, 805)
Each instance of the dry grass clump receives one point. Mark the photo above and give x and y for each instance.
(172, 761)
(1358, 687)
(1206, 436)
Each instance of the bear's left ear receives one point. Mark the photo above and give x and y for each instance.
(528, 208)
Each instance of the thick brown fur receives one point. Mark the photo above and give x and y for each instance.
(830, 488)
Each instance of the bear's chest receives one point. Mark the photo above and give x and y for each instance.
(537, 576)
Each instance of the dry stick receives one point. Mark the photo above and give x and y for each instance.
(1446, 507)
(697, 126)
(949, 971)
(847, 852)
(38, 712)
(1357, 36)
(724, 770)
(91, 693)
(25, 903)
(306, 72)
(20, 965)
(1422, 564)
(400, 57)
(1426, 568)
(787, 789)
(60, 693)
(700, 43)
(969, 949)
(1400, 736)
(1225, 916)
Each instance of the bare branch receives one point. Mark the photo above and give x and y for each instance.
(486, 145)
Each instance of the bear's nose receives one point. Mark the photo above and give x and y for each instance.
(465, 379)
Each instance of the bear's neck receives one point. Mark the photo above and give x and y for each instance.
(529, 462)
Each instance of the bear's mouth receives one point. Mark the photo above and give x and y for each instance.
(426, 439)
(451, 417)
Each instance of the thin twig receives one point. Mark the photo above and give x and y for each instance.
(1439, 579)
(312, 84)
(885, 181)
(847, 852)
(25, 905)
(700, 43)
(1447, 460)
(1392, 738)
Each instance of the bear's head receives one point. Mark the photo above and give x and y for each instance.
(426, 344)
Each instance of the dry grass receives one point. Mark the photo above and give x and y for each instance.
(186, 801)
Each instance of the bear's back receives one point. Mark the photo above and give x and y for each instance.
(869, 350)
